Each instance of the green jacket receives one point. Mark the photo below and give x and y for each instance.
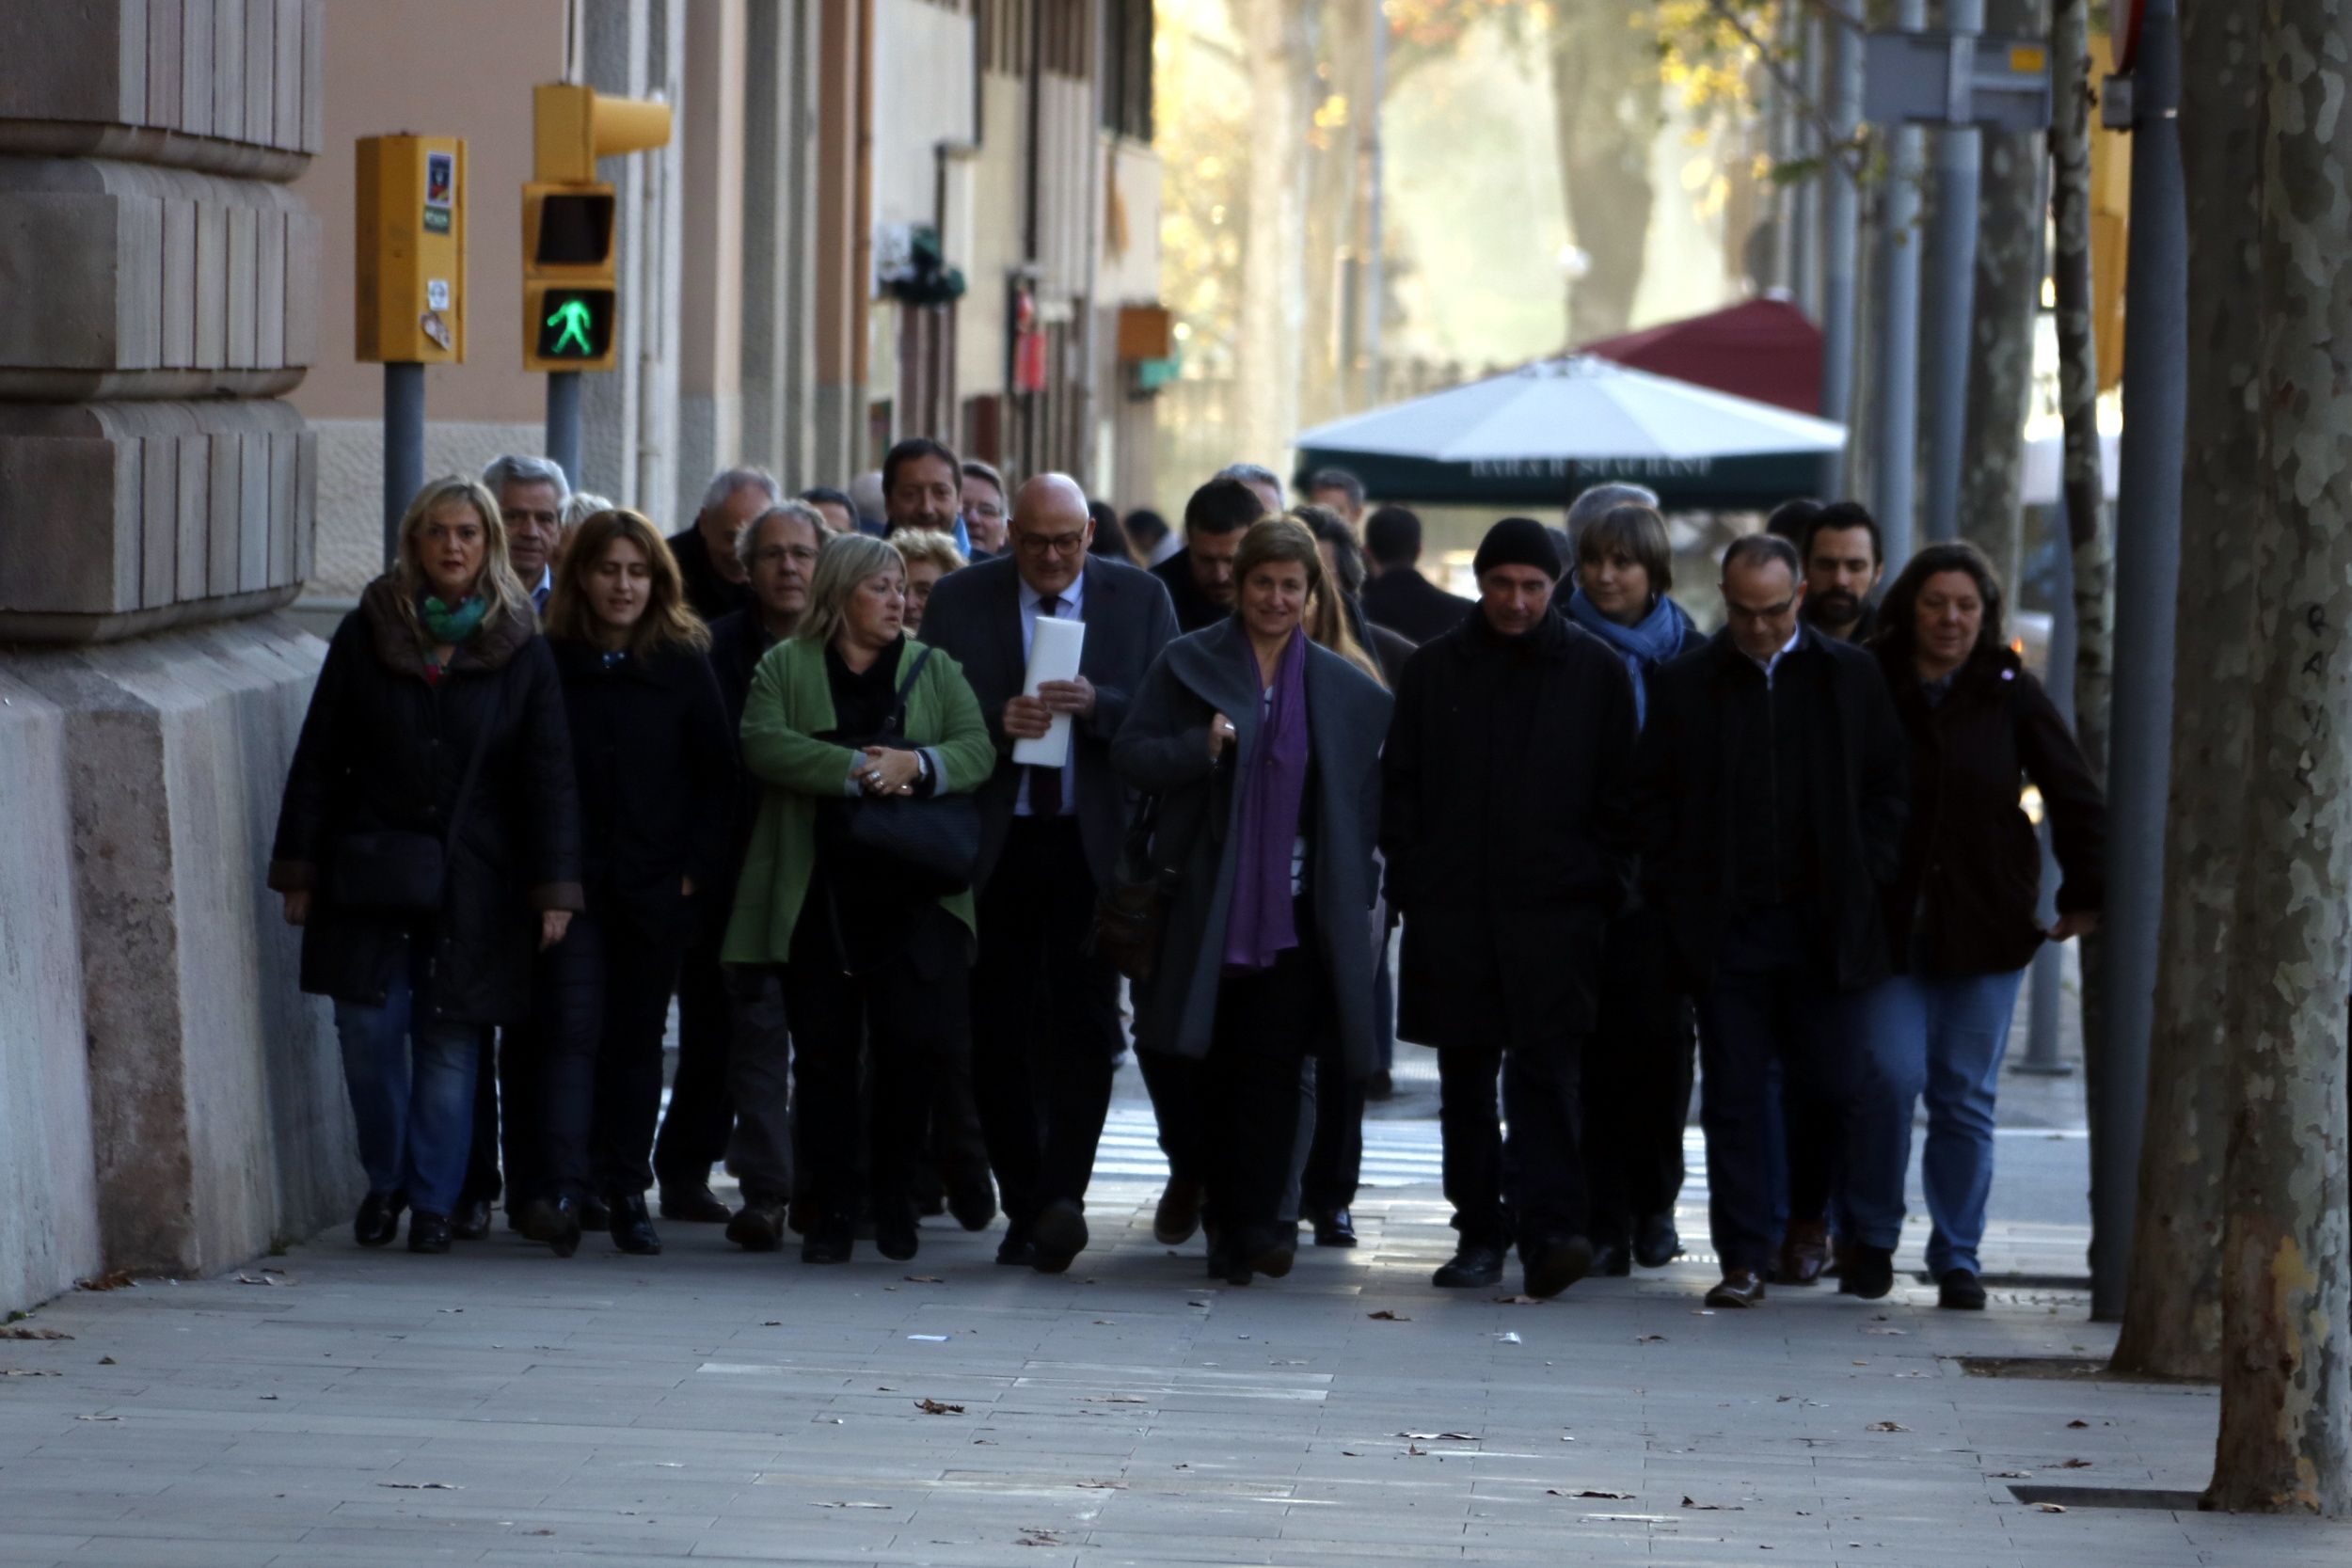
(790, 702)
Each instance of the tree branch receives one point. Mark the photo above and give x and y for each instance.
(1840, 149)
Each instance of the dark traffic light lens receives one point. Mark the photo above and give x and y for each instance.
(575, 230)
(575, 323)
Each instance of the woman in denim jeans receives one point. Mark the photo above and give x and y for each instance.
(428, 844)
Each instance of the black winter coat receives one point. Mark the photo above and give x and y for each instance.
(385, 749)
(1505, 761)
(1194, 611)
(1687, 816)
(1401, 599)
(1972, 863)
(657, 785)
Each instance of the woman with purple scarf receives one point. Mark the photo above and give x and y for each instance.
(1264, 751)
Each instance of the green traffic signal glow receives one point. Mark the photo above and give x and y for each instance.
(571, 320)
(576, 324)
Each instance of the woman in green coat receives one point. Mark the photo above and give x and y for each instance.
(870, 959)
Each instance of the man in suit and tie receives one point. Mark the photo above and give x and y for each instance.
(1044, 1011)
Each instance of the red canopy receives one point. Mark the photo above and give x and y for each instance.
(1763, 349)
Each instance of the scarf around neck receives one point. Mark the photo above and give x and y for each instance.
(451, 623)
(1648, 644)
(1261, 924)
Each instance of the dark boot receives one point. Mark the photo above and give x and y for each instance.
(696, 1205)
(1554, 1263)
(377, 1223)
(895, 1234)
(428, 1232)
(473, 1220)
(758, 1225)
(1474, 1266)
(1656, 1242)
(554, 1222)
(1870, 1271)
(631, 1225)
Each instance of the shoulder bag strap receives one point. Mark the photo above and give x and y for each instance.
(906, 685)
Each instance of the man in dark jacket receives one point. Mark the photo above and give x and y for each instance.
(707, 560)
(1199, 577)
(1398, 597)
(1509, 747)
(1044, 1010)
(1771, 792)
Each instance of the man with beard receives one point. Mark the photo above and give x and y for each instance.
(1843, 562)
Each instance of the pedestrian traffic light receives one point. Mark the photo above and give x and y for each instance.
(571, 296)
(409, 249)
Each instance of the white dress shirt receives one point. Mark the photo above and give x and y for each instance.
(1071, 608)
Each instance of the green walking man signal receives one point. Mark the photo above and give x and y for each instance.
(575, 326)
(571, 318)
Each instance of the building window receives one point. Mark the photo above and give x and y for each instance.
(1127, 68)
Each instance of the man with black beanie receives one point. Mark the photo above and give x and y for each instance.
(1506, 756)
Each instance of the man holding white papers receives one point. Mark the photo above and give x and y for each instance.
(1045, 1012)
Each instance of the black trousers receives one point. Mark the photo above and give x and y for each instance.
(595, 1091)
(1045, 1029)
(695, 1129)
(759, 1085)
(1174, 1086)
(1248, 1090)
(1335, 1158)
(1535, 1188)
(898, 1018)
(1637, 1081)
(482, 1166)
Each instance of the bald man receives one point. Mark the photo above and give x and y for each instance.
(1045, 1031)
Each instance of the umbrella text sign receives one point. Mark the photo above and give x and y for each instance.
(1537, 434)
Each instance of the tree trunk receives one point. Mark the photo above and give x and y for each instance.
(1606, 92)
(2173, 1313)
(1335, 106)
(2010, 207)
(1273, 243)
(2286, 1296)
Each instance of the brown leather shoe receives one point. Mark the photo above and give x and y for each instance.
(1805, 1252)
(1740, 1288)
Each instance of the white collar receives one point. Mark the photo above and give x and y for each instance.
(1070, 597)
(1768, 665)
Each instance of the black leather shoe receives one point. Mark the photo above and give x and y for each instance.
(972, 1199)
(555, 1223)
(1870, 1272)
(428, 1232)
(1474, 1266)
(830, 1240)
(1179, 1212)
(758, 1225)
(1334, 1228)
(1269, 1253)
(1059, 1232)
(1959, 1291)
(1610, 1262)
(1016, 1251)
(473, 1220)
(632, 1226)
(895, 1234)
(378, 1220)
(1554, 1263)
(1740, 1288)
(594, 1214)
(1656, 1242)
(695, 1205)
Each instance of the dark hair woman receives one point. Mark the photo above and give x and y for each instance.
(1963, 915)
(1637, 1087)
(656, 770)
(874, 963)
(1264, 749)
(428, 844)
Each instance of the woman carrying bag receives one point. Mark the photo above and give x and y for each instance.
(1264, 749)
(428, 844)
(860, 736)
(656, 770)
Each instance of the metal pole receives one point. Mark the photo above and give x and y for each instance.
(1840, 224)
(2043, 999)
(404, 445)
(564, 422)
(2147, 571)
(1959, 173)
(1895, 431)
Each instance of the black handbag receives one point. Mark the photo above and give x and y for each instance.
(1131, 914)
(933, 841)
(392, 871)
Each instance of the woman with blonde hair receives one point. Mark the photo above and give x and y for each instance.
(930, 555)
(656, 771)
(428, 844)
(848, 718)
(1262, 747)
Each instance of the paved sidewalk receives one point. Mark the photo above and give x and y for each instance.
(500, 1406)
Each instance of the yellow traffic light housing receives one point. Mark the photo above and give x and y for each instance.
(571, 295)
(409, 292)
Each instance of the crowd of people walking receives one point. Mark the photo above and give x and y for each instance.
(908, 862)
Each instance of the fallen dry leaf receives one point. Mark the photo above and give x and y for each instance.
(1714, 1508)
(105, 1361)
(98, 1418)
(2075, 1465)
(271, 1276)
(115, 1281)
(1037, 1538)
(935, 1407)
(1103, 1486)
(2012, 1475)
(1648, 1338)
(1415, 1450)
(2049, 1508)
(925, 1279)
(1886, 1426)
(1385, 1316)
(421, 1485)
(23, 1331)
(1594, 1492)
(2076, 1424)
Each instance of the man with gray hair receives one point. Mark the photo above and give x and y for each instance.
(1260, 479)
(531, 493)
(713, 577)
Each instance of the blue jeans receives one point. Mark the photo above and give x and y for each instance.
(1946, 1037)
(412, 1095)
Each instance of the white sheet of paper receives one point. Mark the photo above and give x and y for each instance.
(1053, 649)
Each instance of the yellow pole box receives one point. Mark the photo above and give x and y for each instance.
(409, 303)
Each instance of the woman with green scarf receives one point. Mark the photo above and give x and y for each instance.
(428, 845)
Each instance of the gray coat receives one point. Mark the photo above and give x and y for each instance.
(1164, 750)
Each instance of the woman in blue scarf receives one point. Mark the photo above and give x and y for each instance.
(1638, 1070)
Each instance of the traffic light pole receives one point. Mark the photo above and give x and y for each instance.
(1959, 169)
(563, 423)
(404, 445)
